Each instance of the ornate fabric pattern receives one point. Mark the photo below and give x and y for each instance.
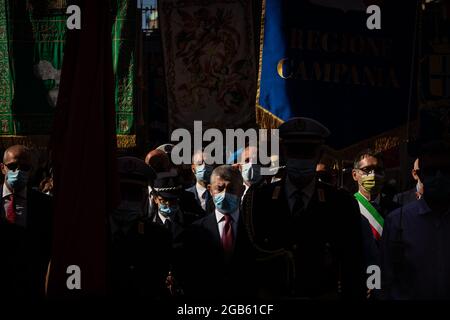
(210, 62)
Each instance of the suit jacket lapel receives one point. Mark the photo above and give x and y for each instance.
(213, 228)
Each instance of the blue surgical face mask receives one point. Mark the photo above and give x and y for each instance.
(166, 210)
(301, 171)
(226, 202)
(203, 172)
(251, 172)
(17, 180)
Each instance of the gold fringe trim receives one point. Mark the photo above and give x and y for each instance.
(31, 141)
(261, 45)
(382, 142)
(42, 141)
(126, 141)
(266, 119)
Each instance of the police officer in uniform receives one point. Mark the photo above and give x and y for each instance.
(306, 233)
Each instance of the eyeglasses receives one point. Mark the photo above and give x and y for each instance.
(14, 166)
(369, 170)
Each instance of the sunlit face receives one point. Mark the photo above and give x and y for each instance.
(366, 166)
(166, 201)
(219, 185)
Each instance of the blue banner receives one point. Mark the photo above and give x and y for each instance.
(320, 60)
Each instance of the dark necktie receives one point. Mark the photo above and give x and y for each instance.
(11, 210)
(298, 207)
(227, 235)
(206, 196)
(168, 224)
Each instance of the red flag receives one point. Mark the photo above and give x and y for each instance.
(84, 156)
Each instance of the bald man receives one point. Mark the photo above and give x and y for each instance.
(158, 160)
(25, 233)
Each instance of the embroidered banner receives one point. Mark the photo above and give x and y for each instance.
(210, 62)
(124, 63)
(32, 40)
(32, 36)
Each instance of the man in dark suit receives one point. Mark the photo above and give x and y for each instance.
(368, 172)
(413, 194)
(202, 172)
(25, 229)
(415, 251)
(218, 255)
(307, 233)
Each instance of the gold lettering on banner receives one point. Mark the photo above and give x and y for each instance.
(312, 44)
(333, 42)
(353, 74)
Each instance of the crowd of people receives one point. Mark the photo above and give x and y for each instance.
(218, 231)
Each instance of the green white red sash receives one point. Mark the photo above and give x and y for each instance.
(375, 219)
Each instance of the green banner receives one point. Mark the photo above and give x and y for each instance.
(6, 87)
(32, 44)
(32, 37)
(124, 60)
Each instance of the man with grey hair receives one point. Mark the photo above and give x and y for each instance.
(218, 254)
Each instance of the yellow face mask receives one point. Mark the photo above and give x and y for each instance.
(372, 183)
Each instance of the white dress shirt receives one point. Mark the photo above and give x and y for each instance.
(202, 193)
(163, 218)
(377, 200)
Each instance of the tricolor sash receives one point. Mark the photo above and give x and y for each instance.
(370, 213)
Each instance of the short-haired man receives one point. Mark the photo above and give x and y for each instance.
(218, 254)
(368, 172)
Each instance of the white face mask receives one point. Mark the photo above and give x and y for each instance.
(251, 172)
